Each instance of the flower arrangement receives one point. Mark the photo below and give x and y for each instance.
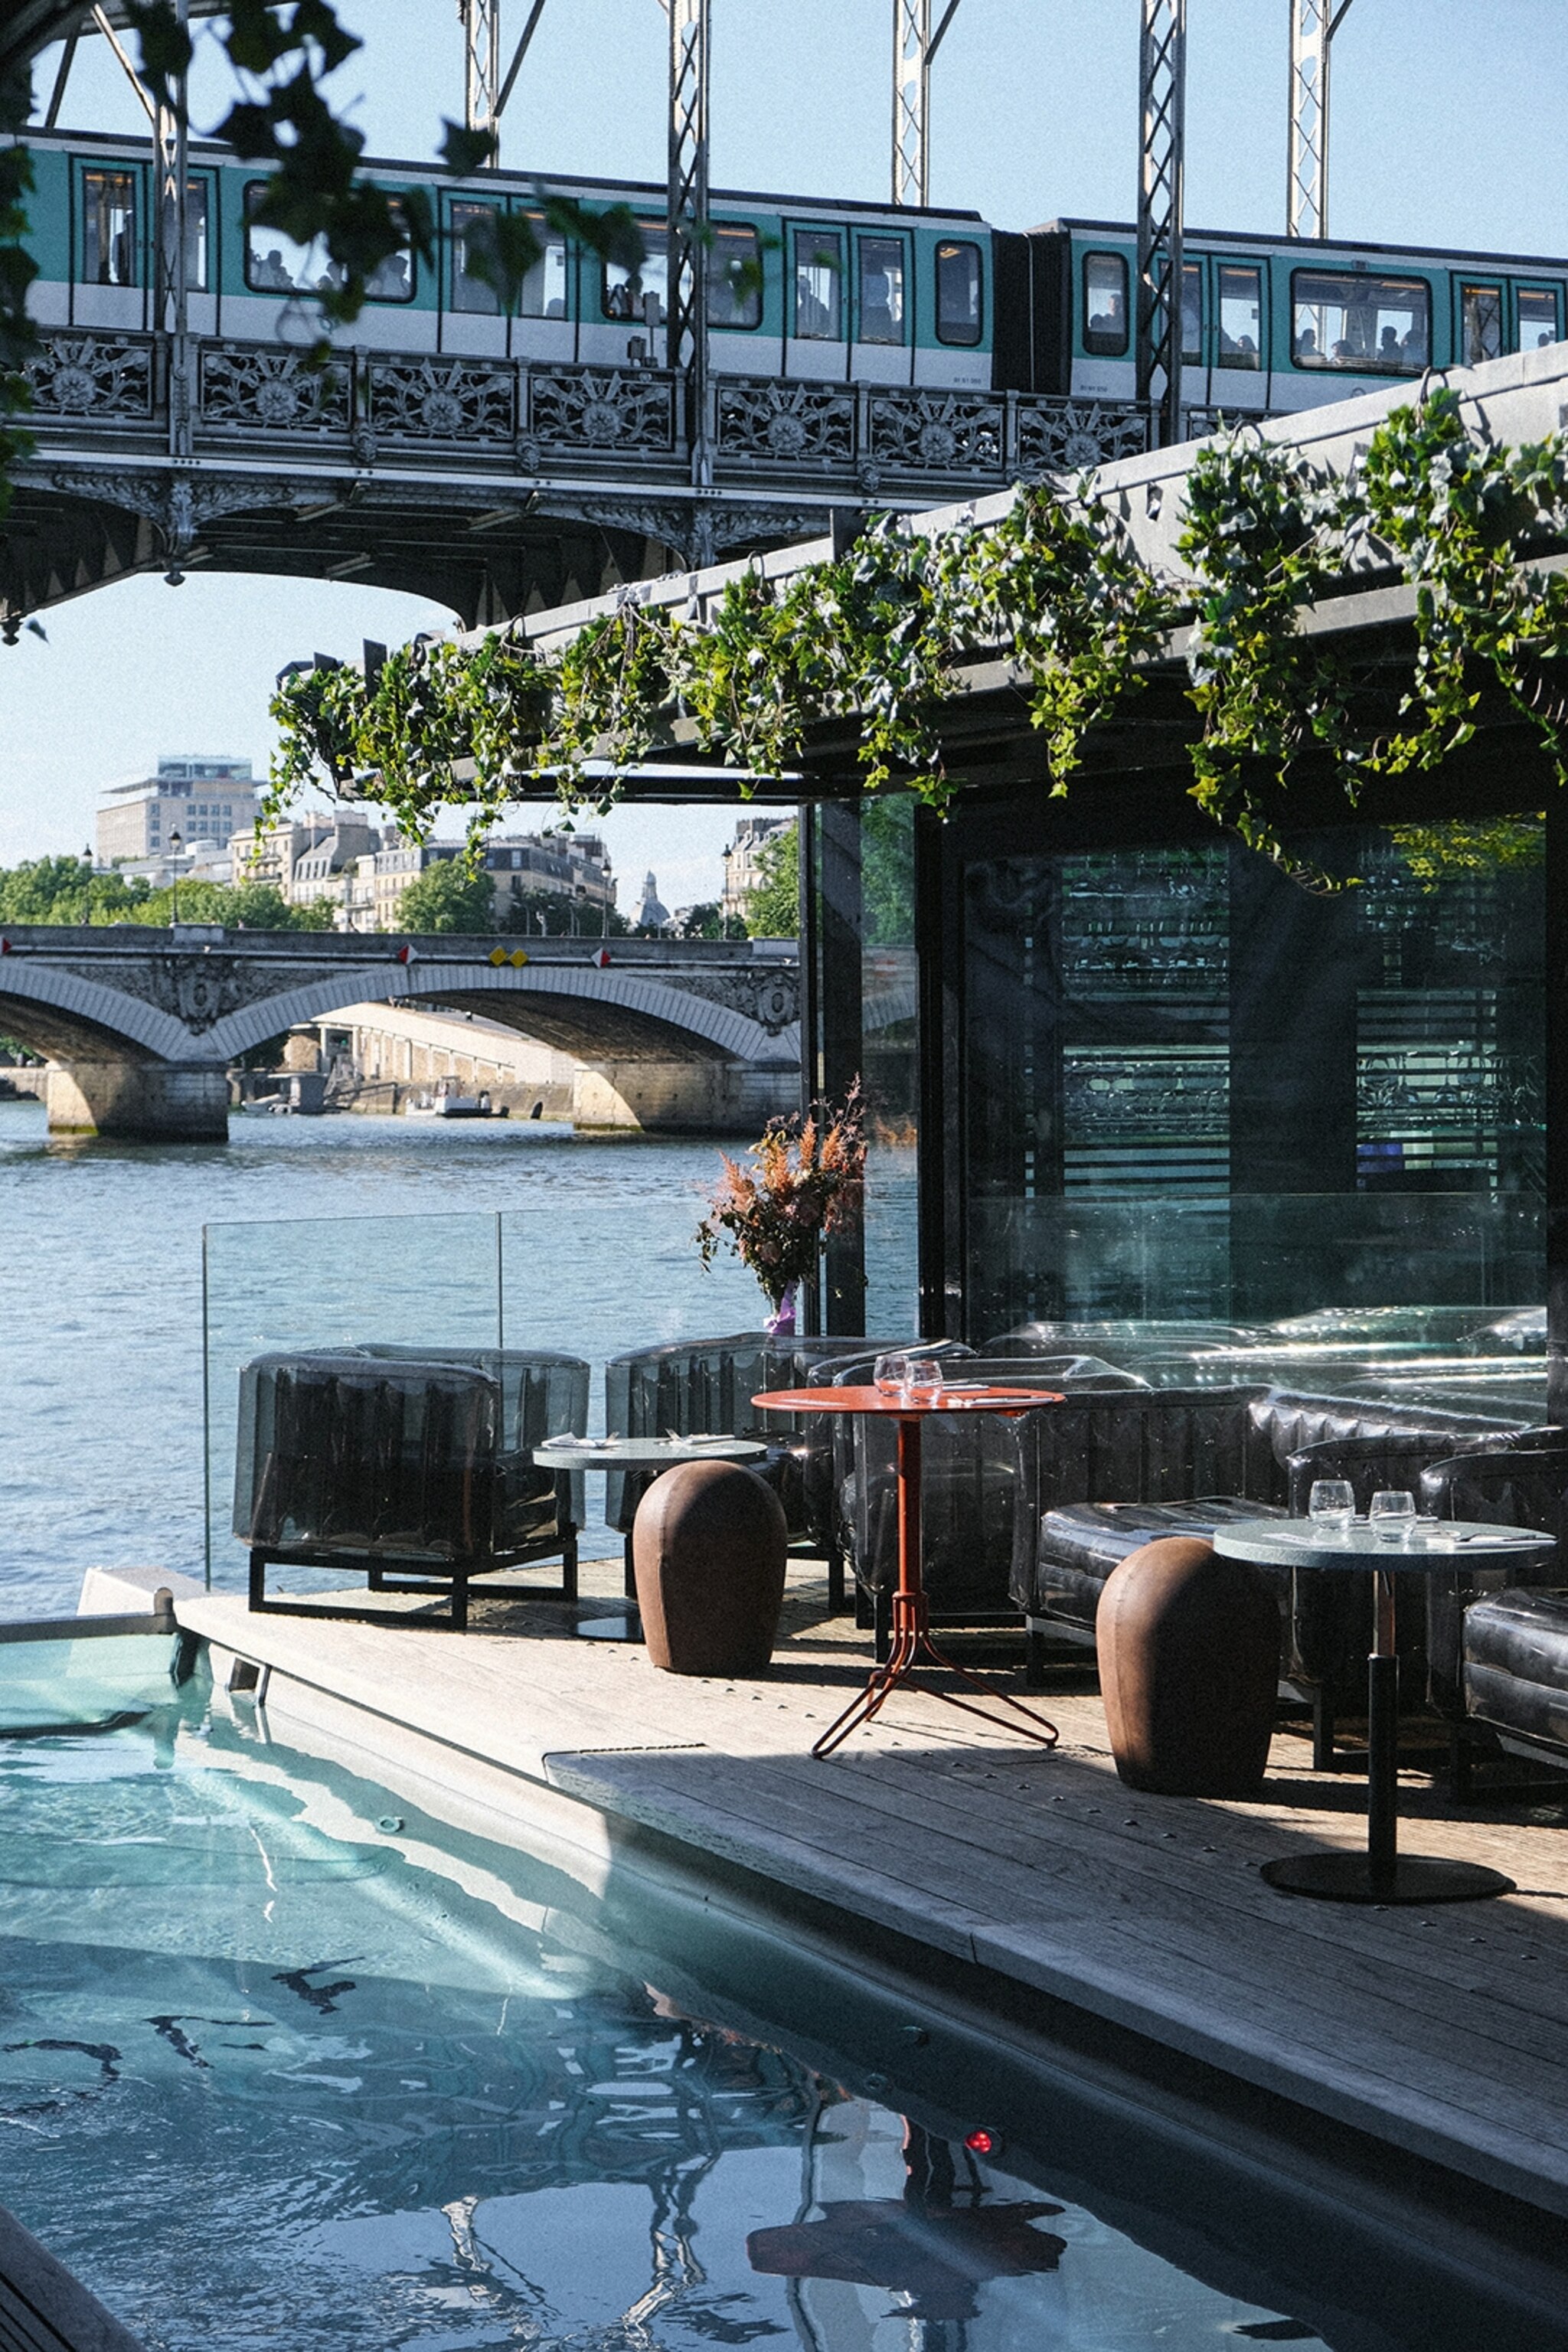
(807, 1182)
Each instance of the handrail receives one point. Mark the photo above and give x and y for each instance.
(159, 1618)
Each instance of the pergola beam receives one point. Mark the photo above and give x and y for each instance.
(1162, 175)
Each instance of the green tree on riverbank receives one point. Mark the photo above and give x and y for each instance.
(772, 904)
(65, 890)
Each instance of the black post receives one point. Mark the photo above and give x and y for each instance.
(810, 1017)
(939, 1033)
(1556, 963)
(1383, 1738)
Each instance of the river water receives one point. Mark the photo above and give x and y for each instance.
(310, 1238)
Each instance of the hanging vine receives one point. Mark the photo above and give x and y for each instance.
(877, 638)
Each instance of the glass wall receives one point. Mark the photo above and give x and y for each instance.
(1189, 1087)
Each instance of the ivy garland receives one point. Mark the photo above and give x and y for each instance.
(875, 639)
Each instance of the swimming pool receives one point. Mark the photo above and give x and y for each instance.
(286, 2064)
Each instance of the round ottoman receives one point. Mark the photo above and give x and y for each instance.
(1189, 1669)
(707, 1544)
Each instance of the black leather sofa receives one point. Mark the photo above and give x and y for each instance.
(1099, 1476)
(1497, 1666)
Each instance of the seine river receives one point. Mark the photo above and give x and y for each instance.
(318, 1230)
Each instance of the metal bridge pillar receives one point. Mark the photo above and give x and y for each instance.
(1162, 167)
(912, 102)
(687, 332)
(1313, 24)
(175, 253)
(482, 65)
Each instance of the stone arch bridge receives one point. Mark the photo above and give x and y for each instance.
(141, 1025)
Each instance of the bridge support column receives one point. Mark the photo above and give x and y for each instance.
(728, 1099)
(139, 1102)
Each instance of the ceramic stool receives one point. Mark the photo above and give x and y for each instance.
(708, 1545)
(1189, 1668)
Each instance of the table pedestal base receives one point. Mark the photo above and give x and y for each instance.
(1413, 1878)
(914, 1651)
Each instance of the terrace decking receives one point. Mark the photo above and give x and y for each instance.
(1440, 2033)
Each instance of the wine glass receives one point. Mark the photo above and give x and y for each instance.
(922, 1376)
(891, 1373)
(1393, 1514)
(1331, 1505)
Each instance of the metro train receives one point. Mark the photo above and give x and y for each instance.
(800, 289)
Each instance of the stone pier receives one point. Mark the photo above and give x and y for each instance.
(139, 1102)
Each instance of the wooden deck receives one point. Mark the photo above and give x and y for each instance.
(1441, 2031)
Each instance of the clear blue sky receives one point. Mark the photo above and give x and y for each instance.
(1448, 129)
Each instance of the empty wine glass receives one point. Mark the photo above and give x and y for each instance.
(1331, 1505)
(891, 1373)
(922, 1376)
(1393, 1514)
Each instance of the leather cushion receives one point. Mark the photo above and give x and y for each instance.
(1516, 1664)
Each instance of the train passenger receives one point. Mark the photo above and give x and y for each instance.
(272, 273)
(1390, 350)
(1307, 352)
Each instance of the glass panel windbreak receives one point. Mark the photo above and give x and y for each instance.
(889, 1067)
(1189, 1029)
(429, 1282)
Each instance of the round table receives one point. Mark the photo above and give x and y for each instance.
(913, 1646)
(642, 1454)
(1381, 1874)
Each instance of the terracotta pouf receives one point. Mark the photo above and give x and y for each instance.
(1189, 1669)
(708, 1543)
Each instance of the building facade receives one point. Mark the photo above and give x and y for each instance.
(208, 800)
(741, 874)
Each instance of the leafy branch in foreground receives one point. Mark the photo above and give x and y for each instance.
(876, 638)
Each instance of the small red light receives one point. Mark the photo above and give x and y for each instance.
(982, 2142)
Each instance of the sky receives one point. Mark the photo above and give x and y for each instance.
(1447, 129)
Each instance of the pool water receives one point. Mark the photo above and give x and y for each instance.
(281, 2068)
(286, 2064)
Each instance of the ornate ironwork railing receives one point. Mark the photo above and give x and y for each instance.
(533, 417)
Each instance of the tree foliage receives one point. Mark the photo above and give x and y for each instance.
(874, 641)
(448, 897)
(772, 904)
(65, 890)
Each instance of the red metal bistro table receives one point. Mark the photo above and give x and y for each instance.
(912, 1644)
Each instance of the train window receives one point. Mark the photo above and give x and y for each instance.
(1105, 305)
(642, 293)
(881, 289)
(1192, 311)
(1241, 317)
(1537, 317)
(1481, 319)
(197, 280)
(958, 293)
(473, 231)
(734, 276)
(275, 264)
(1360, 322)
(109, 228)
(817, 257)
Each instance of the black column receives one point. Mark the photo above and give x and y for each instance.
(1557, 1108)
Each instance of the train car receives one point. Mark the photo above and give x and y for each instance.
(1270, 325)
(825, 292)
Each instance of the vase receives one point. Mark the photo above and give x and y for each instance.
(780, 1324)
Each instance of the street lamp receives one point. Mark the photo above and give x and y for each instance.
(175, 846)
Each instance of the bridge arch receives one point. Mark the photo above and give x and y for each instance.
(582, 1009)
(73, 1018)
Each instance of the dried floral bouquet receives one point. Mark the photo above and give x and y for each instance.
(808, 1181)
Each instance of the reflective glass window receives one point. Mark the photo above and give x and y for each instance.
(734, 276)
(881, 289)
(958, 292)
(472, 229)
(109, 228)
(275, 264)
(1360, 322)
(1192, 312)
(642, 294)
(544, 291)
(817, 260)
(1105, 322)
(197, 280)
(1480, 324)
(1241, 317)
(1537, 317)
